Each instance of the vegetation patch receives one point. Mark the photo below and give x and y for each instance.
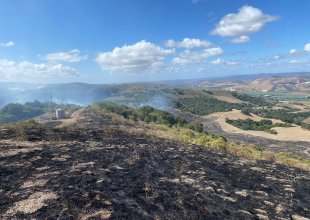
(259, 101)
(282, 114)
(263, 125)
(148, 114)
(205, 105)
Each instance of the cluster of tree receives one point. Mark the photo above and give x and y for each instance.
(148, 114)
(16, 112)
(259, 101)
(205, 105)
(282, 114)
(246, 111)
(263, 125)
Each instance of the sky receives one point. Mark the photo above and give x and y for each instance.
(116, 41)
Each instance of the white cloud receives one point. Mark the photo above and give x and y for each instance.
(70, 56)
(300, 61)
(7, 44)
(140, 57)
(189, 43)
(217, 61)
(294, 61)
(293, 51)
(247, 21)
(220, 61)
(307, 47)
(189, 57)
(27, 71)
(241, 39)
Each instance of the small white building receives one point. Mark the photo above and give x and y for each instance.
(60, 114)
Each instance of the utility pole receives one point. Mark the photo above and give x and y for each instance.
(51, 103)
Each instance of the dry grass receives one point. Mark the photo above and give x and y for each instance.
(27, 147)
(251, 152)
(101, 214)
(34, 183)
(34, 202)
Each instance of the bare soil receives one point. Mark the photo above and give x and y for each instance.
(307, 120)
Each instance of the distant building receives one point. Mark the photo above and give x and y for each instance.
(60, 114)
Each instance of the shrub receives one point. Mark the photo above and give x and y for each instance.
(249, 124)
(147, 114)
(198, 127)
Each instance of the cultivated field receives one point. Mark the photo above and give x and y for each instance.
(284, 133)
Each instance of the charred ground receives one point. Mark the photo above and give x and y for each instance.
(93, 170)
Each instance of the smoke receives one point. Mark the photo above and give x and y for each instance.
(158, 102)
(82, 94)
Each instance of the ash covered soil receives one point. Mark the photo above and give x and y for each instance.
(93, 171)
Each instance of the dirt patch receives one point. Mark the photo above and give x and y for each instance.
(307, 120)
(74, 118)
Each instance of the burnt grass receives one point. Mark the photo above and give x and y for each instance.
(95, 170)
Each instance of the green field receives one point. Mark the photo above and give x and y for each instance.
(284, 96)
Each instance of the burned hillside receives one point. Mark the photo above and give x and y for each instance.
(88, 168)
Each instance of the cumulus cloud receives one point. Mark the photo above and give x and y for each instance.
(140, 57)
(247, 21)
(307, 47)
(28, 71)
(220, 61)
(293, 51)
(241, 39)
(193, 57)
(7, 44)
(70, 56)
(189, 43)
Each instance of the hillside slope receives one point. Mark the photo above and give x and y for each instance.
(93, 170)
(277, 84)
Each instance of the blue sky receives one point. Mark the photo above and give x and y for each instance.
(115, 41)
